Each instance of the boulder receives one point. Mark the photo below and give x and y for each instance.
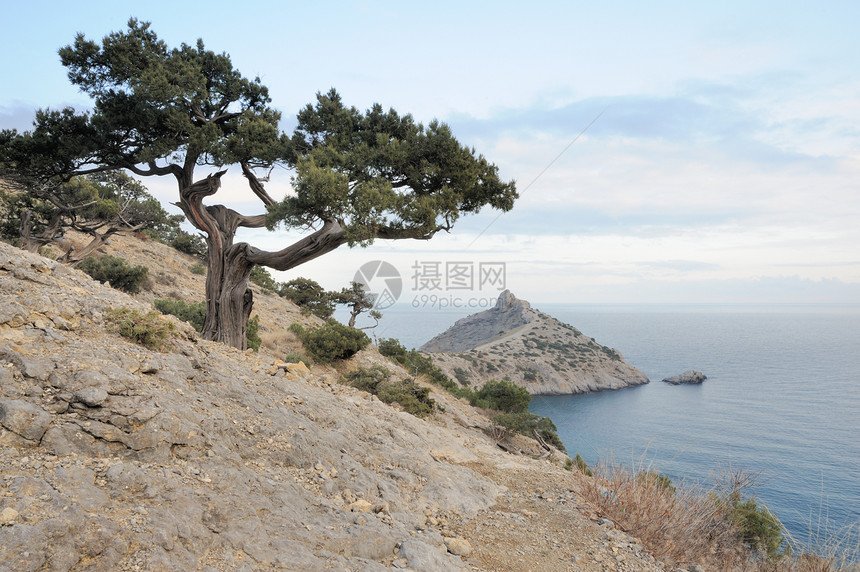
(691, 376)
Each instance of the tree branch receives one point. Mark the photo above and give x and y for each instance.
(323, 241)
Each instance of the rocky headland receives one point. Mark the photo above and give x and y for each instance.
(202, 457)
(515, 341)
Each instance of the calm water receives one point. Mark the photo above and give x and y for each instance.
(782, 398)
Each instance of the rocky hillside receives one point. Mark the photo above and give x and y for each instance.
(515, 341)
(202, 457)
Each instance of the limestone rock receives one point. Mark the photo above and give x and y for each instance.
(534, 350)
(458, 546)
(691, 376)
(24, 418)
(8, 516)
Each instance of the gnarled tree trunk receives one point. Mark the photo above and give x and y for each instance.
(229, 300)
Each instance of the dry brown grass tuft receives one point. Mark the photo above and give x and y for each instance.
(684, 525)
(678, 526)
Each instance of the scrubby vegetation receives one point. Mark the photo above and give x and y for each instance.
(721, 529)
(511, 401)
(331, 342)
(195, 314)
(115, 270)
(148, 330)
(377, 380)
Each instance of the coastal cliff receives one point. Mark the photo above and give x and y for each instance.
(515, 341)
(198, 456)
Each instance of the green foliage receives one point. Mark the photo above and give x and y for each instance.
(148, 330)
(90, 204)
(252, 334)
(188, 243)
(261, 277)
(417, 363)
(115, 270)
(377, 380)
(760, 530)
(308, 295)
(194, 314)
(650, 478)
(197, 269)
(382, 175)
(504, 396)
(580, 464)
(527, 423)
(331, 342)
(295, 357)
(462, 375)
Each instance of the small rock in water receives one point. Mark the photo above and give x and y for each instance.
(691, 376)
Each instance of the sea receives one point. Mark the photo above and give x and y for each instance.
(781, 403)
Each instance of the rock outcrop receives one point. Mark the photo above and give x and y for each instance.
(202, 457)
(506, 316)
(691, 376)
(515, 341)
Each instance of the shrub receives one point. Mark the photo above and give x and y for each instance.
(309, 296)
(377, 380)
(261, 277)
(197, 269)
(417, 363)
(189, 244)
(333, 341)
(580, 464)
(462, 375)
(194, 314)
(527, 423)
(759, 528)
(296, 358)
(148, 330)
(252, 334)
(503, 396)
(115, 270)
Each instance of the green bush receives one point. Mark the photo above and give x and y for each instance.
(580, 464)
(504, 396)
(527, 423)
(331, 342)
(417, 363)
(189, 244)
(148, 330)
(377, 380)
(309, 296)
(115, 270)
(297, 357)
(462, 375)
(261, 277)
(760, 530)
(197, 269)
(194, 314)
(252, 334)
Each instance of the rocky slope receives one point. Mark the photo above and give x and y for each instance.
(515, 341)
(201, 457)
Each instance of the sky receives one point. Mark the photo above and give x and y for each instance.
(665, 152)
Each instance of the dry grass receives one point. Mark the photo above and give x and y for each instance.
(680, 527)
(684, 526)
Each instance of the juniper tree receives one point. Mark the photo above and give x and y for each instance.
(160, 111)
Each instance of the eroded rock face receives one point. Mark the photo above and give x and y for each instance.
(532, 349)
(691, 376)
(470, 332)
